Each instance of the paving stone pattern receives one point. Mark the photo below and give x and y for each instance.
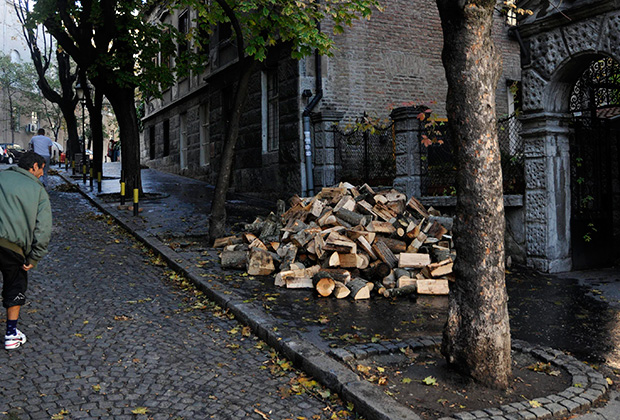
(109, 333)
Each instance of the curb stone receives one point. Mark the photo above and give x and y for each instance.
(588, 385)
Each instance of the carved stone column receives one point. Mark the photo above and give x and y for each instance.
(410, 168)
(547, 191)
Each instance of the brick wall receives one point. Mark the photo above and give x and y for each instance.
(395, 59)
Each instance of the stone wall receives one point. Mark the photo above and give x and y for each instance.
(273, 173)
(561, 44)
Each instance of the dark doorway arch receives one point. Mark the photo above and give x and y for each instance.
(594, 173)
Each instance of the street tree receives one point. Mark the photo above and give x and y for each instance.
(18, 86)
(259, 27)
(476, 338)
(55, 77)
(117, 49)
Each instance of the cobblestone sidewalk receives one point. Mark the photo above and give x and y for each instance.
(111, 335)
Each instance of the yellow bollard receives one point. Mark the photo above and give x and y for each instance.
(136, 196)
(122, 193)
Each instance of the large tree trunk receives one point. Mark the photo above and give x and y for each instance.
(217, 220)
(96, 131)
(476, 337)
(73, 142)
(123, 103)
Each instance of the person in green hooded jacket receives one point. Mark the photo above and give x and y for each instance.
(25, 230)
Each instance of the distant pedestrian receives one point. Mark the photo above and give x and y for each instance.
(25, 230)
(42, 145)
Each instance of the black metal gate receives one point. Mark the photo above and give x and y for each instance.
(593, 142)
(366, 155)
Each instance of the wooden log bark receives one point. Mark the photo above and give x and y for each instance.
(400, 291)
(228, 240)
(260, 263)
(395, 245)
(385, 254)
(354, 219)
(359, 289)
(234, 259)
(341, 291)
(323, 283)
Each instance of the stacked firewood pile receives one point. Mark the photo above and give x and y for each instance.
(348, 241)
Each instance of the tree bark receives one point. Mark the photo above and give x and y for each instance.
(217, 220)
(122, 101)
(476, 338)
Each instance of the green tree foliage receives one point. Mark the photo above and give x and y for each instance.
(118, 50)
(260, 26)
(19, 89)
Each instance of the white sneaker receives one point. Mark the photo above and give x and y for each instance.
(12, 342)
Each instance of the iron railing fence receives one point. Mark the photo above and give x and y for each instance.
(366, 155)
(440, 161)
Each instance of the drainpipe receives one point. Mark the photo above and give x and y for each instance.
(513, 32)
(309, 187)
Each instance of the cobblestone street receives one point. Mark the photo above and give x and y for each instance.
(112, 334)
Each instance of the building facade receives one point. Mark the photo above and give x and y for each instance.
(571, 104)
(391, 60)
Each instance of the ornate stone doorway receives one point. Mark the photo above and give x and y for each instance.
(595, 107)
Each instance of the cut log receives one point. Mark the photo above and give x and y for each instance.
(359, 289)
(248, 237)
(331, 195)
(418, 207)
(367, 189)
(327, 219)
(384, 253)
(354, 219)
(362, 261)
(377, 270)
(334, 260)
(405, 281)
(257, 243)
(341, 291)
(409, 260)
(396, 245)
(298, 274)
(365, 207)
(415, 245)
(301, 238)
(394, 195)
(338, 274)
(433, 287)
(442, 270)
(400, 291)
(437, 230)
(228, 240)
(288, 253)
(323, 283)
(339, 243)
(441, 253)
(234, 259)
(381, 227)
(389, 281)
(319, 245)
(384, 212)
(365, 245)
(358, 231)
(260, 263)
(316, 209)
(347, 202)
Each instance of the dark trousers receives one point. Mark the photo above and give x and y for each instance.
(14, 278)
